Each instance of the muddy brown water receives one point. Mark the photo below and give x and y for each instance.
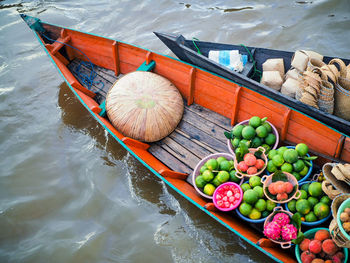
(68, 191)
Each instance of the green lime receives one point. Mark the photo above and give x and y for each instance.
(321, 210)
(303, 206)
(221, 159)
(290, 156)
(245, 187)
(303, 194)
(209, 189)
(272, 153)
(271, 168)
(250, 196)
(298, 166)
(267, 126)
(235, 142)
(223, 176)
(208, 175)
(270, 205)
(261, 131)
(270, 139)
(245, 209)
(281, 150)
(304, 171)
(200, 182)
(310, 217)
(254, 181)
(212, 164)
(267, 147)
(305, 187)
(315, 189)
(203, 168)
(292, 206)
(256, 142)
(233, 177)
(225, 166)
(216, 181)
(313, 201)
(277, 160)
(265, 214)
(237, 131)
(260, 205)
(296, 175)
(248, 132)
(255, 214)
(302, 149)
(326, 200)
(232, 163)
(255, 121)
(246, 142)
(259, 190)
(287, 167)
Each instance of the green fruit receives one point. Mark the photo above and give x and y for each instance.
(220, 159)
(261, 131)
(272, 153)
(270, 139)
(255, 121)
(245, 187)
(310, 217)
(298, 166)
(292, 206)
(303, 194)
(245, 209)
(305, 187)
(209, 189)
(255, 214)
(208, 175)
(287, 167)
(235, 142)
(212, 164)
(237, 131)
(248, 132)
(303, 206)
(326, 200)
(296, 175)
(259, 190)
(304, 171)
(223, 176)
(267, 147)
(216, 181)
(256, 142)
(260, 205)
(255, 181)
(225, 166)
(277, 160)
(281, 150)
(203, 168)
(265, 214)
(246, 142)
(313, 201)
(290, 156)
(270, 205)
(271, 167)
(267, 126)
(321, 210)
(250, 197)
(315, 189)
(233, 177)
(200, 182)
(302, 149)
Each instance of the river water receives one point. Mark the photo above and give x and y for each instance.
(68, 191)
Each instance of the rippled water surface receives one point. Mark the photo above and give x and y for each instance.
(68, 191)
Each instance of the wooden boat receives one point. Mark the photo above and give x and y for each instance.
(187, 50)
(213, 104)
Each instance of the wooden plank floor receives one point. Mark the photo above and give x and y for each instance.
(200, 132)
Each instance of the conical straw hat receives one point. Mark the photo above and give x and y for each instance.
(144, 106)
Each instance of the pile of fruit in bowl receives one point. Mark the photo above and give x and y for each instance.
(250, 162)
(254, 207)
(213, 171)
(280, 187)
(318, 247)
(253, 133)
(343, 218)
(290, 159)
(227, 196)
(313, 204)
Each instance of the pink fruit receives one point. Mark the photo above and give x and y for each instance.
(279, 187)
(242, 166)
(329, 247)
(231, 199)
(304, 245)
(218, 197)
(249, 159)
(272, 230)
(259, 164)
(340, 255)
(224, 198)
(322, 234)
(289, 232)
(229, 193)
(307, 257)
(282, 197)
(288, 187)
(315, 246)
(281, 218)
(237, 195)
(252, 170)
(272, 189)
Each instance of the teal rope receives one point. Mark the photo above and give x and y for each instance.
(194, 43)
(257, 72)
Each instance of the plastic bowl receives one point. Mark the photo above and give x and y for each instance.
(240, 174)
(196, 170)
(341, 209)
(275, 132)
(318, 222)
(218, 189)
(310, 234)
(278, 209)
(267, 180)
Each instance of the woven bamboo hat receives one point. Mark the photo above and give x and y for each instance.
(144, 106)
